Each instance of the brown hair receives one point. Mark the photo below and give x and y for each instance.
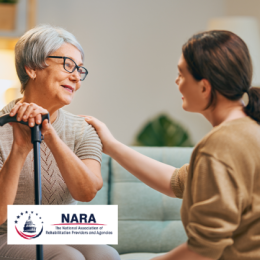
(223, 59)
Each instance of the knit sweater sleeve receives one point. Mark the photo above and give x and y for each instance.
(216, 210)
(89, 145)
(178, 180)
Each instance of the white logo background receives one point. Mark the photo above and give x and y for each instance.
(104, 231)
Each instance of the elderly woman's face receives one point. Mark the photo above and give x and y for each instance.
(54, 82)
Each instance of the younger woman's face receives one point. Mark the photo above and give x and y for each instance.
(193, 99)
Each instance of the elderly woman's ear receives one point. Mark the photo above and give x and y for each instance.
(31, 72)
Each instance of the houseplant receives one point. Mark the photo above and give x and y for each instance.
(163, 131)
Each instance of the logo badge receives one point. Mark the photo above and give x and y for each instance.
(62, 224)
(29, 225)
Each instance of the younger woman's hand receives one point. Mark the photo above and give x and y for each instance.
(103, 132)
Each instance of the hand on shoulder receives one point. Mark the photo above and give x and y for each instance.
(103, 132)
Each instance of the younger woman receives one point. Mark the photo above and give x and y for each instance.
(221, 185)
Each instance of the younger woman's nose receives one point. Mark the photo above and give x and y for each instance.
(177, 80)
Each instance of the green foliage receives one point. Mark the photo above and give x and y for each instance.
(163, 131)
(8, 1)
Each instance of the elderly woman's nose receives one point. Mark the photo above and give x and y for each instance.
(75, 76)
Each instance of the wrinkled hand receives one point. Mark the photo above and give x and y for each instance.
(31, 113)
(103, 132)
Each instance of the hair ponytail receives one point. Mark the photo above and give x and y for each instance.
(253, 107)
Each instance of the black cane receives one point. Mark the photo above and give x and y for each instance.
(36, 141)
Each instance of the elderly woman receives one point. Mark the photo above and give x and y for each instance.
(49, 63)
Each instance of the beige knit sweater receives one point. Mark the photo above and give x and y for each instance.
(221, 192)
(79, 136)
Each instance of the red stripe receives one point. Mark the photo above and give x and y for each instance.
(68, 224)
(20, 234)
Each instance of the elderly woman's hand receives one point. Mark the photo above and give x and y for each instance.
(28, 112)
(31, 113)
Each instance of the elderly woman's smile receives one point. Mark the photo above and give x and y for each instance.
(68, 88)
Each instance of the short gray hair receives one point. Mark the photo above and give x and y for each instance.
(35, 45)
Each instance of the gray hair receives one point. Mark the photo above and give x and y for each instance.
(35, 45)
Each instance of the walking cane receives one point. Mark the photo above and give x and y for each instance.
(36, 139)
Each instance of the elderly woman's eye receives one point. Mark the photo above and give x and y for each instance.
(81, 71)
(68, 65)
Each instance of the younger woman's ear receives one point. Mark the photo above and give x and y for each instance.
(206, 88)
(31, 72)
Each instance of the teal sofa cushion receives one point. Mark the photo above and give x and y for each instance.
(148, 221)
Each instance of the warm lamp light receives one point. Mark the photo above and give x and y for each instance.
(7, 65)
(247, 29)
(8, 76)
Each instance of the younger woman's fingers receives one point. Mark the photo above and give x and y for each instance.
(86, 117)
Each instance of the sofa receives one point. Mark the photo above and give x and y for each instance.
(149, 222)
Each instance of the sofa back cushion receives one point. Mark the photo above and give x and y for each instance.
(148, 221)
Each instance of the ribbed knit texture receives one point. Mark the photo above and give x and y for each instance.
(78, 135)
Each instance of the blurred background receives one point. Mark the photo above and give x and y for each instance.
(132, 48)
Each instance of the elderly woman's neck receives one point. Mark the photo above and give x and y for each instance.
(40, 101)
